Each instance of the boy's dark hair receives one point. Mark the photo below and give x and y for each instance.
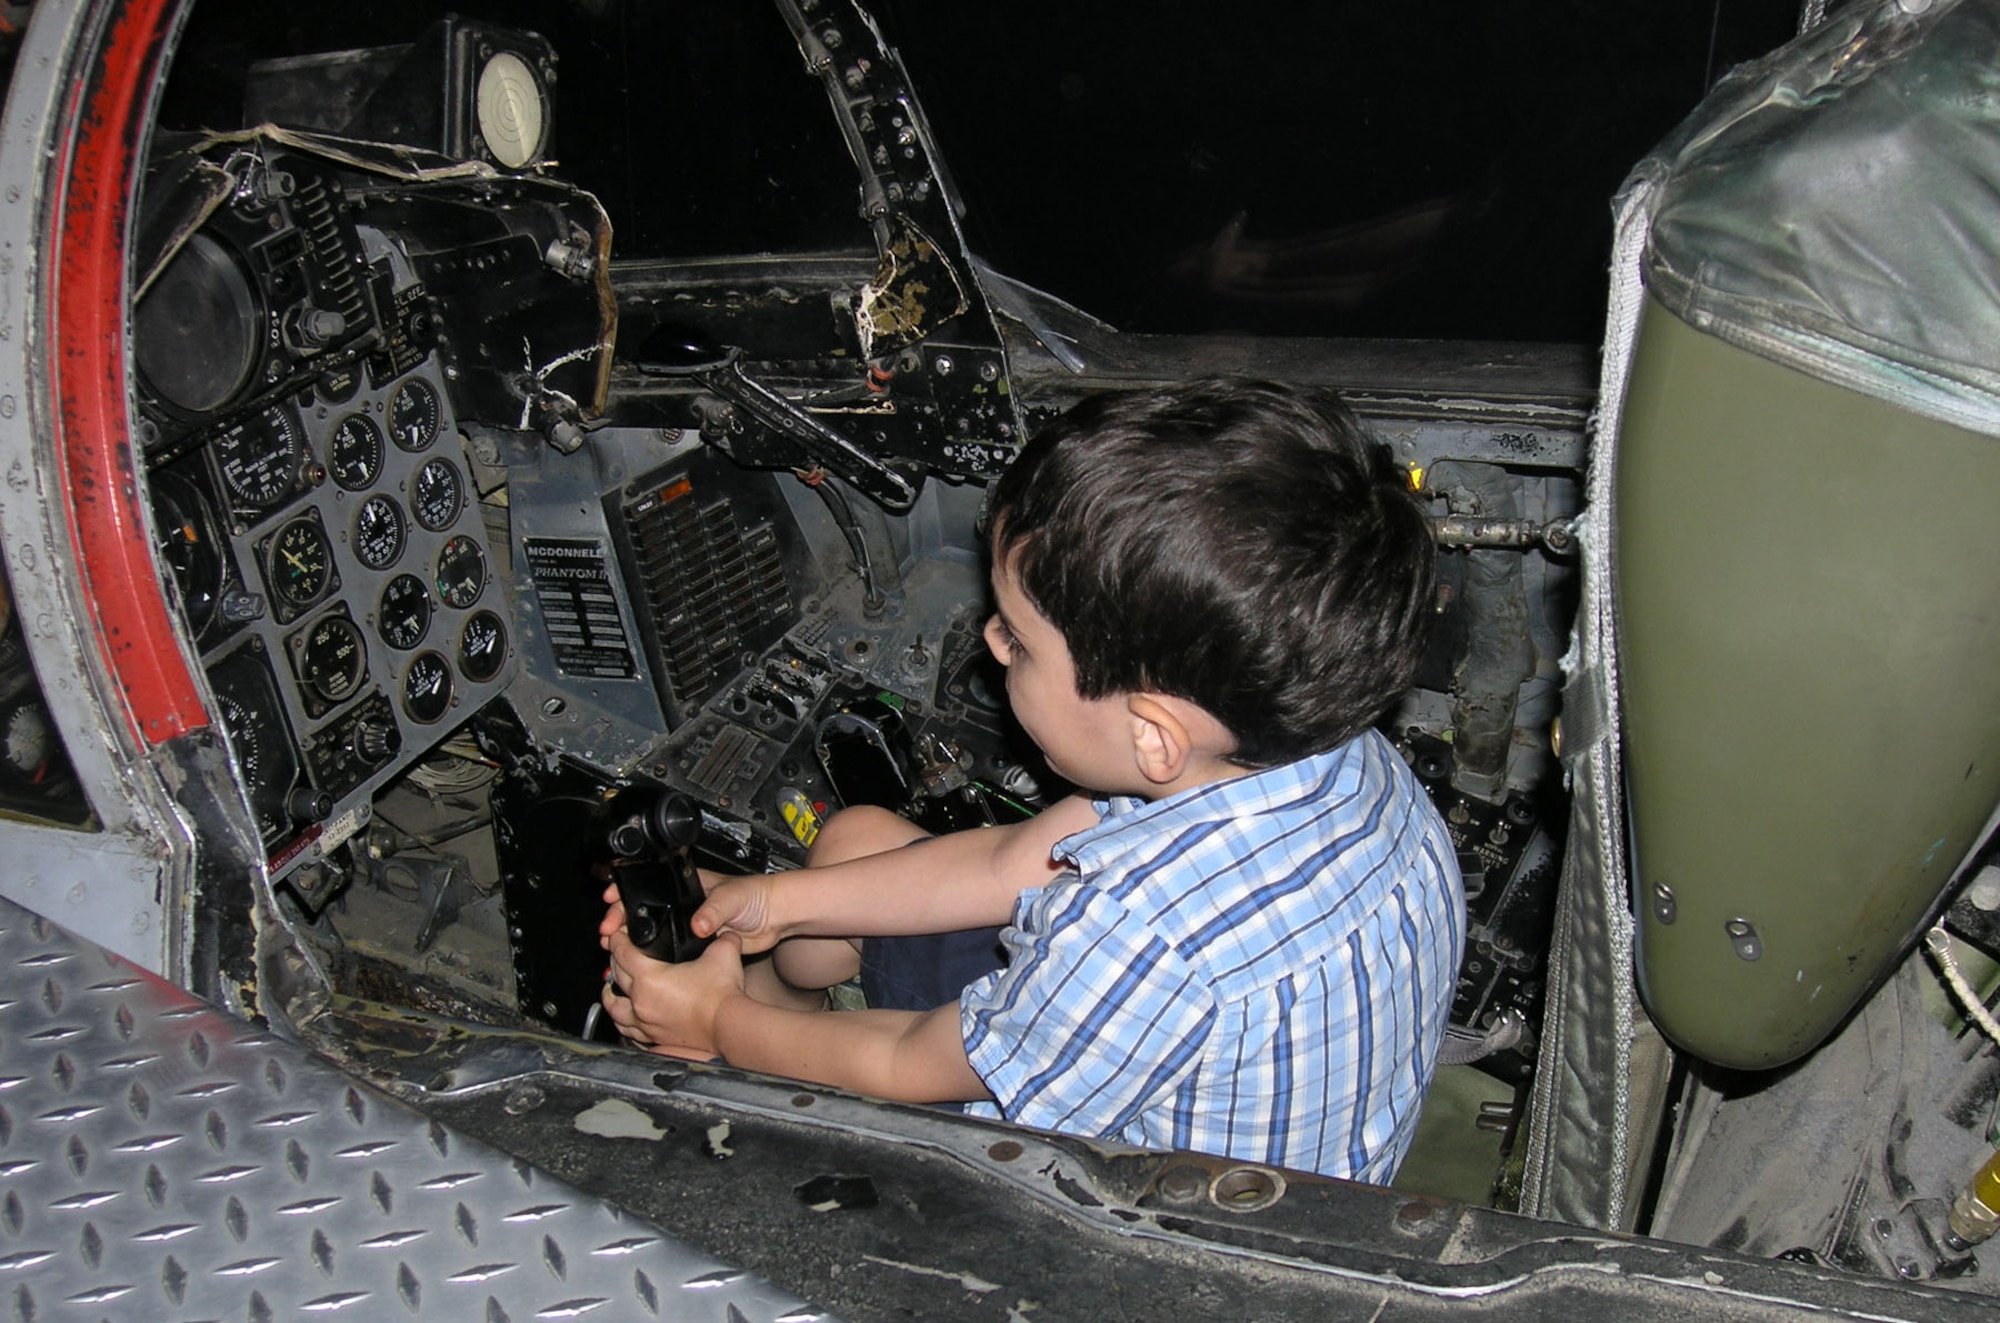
(1229, 542)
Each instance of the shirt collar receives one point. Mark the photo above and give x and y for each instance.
(1125, 821)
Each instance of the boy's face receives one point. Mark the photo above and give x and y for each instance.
(1085, 740)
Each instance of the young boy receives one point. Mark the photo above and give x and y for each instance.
(1246, 943)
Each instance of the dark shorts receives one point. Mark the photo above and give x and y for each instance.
(919, 973)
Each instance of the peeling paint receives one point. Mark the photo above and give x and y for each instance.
(614, 1118)
(977, 1285)
(913, 290)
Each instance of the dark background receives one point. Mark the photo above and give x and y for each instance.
(1415, 169)
(1437, 170)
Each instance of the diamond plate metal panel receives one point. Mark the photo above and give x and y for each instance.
(162, 1160)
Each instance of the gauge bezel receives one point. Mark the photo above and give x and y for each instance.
(360, 541)
(430, 707)
(459, 547)
(199, 565)
(440, 465)
(306, 648)
(403, 639)
(473, 665)
(289, 604)
(433, 423)
(289, 451)
(374, 450)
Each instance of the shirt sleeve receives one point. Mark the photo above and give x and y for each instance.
(1094, 1021)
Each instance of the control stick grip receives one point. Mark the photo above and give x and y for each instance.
(654, 873)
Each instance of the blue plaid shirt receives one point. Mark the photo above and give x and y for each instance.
(1259, 968)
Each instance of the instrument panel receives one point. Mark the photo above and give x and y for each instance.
(313, 505)
(332, 560)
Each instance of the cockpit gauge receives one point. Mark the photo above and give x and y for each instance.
(332, 658)
(461, 572)
(298, 562)
(379, 532)
(197, 331)
(414, 415)
(427, 688)
(482, 647)
(28, 745)
(508, 106)
(356, 452)
(260, 458)
(246, 696)
(189, 541)
(437, 495)
(405, 614)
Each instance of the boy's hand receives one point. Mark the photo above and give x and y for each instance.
(672, 1008)
(741, 905)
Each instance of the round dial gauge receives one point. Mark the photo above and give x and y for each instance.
(461, 572)
(252, 713)
(197, 332)
(508, 104)
(259, 458)
(482, 647)
(427, 687)
(405, 616)
(244, 737)
(301, 563)
(438, 496)
(379, 533)
(414, 415)
(356, 459)
(333, 658)
(28, 745)
(190, 545)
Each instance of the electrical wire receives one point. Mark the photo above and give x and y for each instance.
(1939, 945)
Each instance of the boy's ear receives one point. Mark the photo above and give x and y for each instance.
(1162, 740)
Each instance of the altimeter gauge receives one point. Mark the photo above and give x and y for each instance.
(333, 658)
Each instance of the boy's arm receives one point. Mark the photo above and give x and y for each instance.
(700, 1009)
(968, 879)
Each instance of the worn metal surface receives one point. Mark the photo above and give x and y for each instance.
(160, 1159)
(128, 895)
(883, 1211)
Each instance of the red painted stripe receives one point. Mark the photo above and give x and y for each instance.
(134, 632)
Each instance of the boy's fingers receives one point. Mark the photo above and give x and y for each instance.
(739, 905)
